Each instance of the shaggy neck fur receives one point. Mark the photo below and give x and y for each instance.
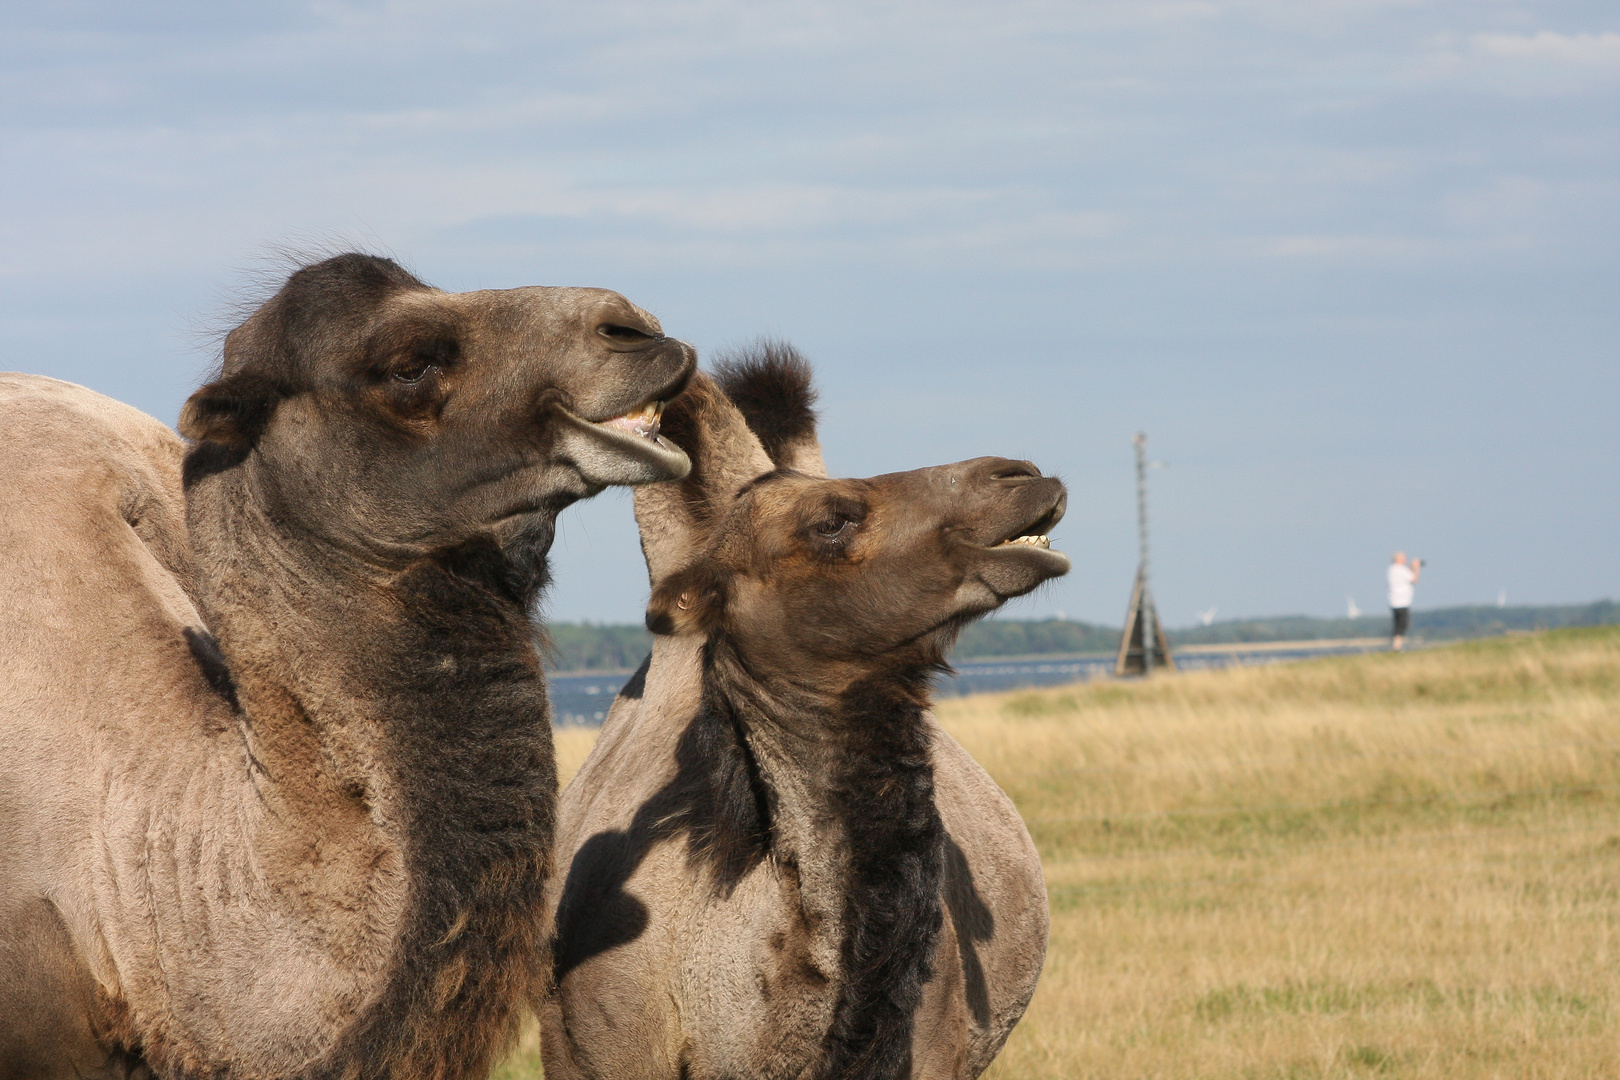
(394, 736)
(848, 789)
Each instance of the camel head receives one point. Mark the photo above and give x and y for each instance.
(394, 420)
(803, 572)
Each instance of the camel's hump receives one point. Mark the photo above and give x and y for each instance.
(37, 412)
(73, 461)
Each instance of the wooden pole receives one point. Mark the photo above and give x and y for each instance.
(1141, 643)
(1145, 588)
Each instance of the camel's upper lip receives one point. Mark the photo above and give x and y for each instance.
(642, 421)
(1037, 529)
(651, 407)
(1033, 533)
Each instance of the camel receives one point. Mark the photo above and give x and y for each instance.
(775, 863)
(276, 784)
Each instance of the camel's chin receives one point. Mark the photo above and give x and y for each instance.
(1011, 568)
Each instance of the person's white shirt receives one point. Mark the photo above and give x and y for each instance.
(1400, 585)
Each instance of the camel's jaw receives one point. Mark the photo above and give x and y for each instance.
(1036, 555)
(624, 449)
(1015, 556)
(1033, 543)
(608, 443)
(1019, 565)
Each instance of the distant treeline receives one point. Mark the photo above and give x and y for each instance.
(590, 647)
(1033, 637)
(1439, 624)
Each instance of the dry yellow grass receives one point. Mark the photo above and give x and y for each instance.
(1372, 866)
(1401, 866)
(573, 745)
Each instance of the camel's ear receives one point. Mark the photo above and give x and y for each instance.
(677, 517)
(231, 411)
(771, 384)
(689, 601)
(319, 309)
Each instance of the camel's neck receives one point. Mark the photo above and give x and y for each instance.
(851, 802)
(395, 731)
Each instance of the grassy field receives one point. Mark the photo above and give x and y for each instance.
(1373, 866)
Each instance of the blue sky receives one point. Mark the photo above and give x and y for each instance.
(1351, 265)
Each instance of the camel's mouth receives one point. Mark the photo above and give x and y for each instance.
(1040, 540)
(624, 449)
(642, 422)
(1035, 533)
(1023, 557)
(1032, 548)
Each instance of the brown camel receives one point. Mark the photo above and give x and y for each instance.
(775, 863)
(276, 785)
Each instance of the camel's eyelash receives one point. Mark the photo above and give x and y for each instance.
(414, 373)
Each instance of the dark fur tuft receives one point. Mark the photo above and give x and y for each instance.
(974, 924)
(482, 562)
(463, 687)
(725, 811)
(893, 913)
(233, 410)
(211, 663)
(207, 458)
(632, 690)
(770, 383)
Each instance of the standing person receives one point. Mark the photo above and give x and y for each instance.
(1402, 576)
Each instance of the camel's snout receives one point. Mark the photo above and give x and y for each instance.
(1005, 510)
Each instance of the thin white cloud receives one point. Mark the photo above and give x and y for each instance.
(1361, 248)
(1550, 47)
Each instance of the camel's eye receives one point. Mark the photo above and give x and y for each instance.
(424, 358)
(834, 528)
(412, 373)
(834, 525)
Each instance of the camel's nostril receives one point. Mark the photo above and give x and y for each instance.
(627, 335)
(1015, 470)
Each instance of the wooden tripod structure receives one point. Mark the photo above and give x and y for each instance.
(1142, 646)
(1142, 624)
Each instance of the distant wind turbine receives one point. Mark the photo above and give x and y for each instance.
(1350, 608)
(1501, 598)
(1207, 617)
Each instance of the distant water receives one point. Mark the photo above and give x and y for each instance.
(584, 699)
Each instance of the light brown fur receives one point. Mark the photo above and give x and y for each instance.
(667, 972)
(235, 723)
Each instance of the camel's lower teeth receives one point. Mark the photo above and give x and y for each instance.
(642, 421)
(1041, 541)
